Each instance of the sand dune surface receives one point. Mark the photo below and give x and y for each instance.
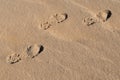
(59, 40)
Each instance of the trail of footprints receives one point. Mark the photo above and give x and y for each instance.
(34, 50)
(101, 16)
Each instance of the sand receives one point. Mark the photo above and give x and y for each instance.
(59, 40)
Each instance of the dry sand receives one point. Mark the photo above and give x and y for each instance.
(59, 40)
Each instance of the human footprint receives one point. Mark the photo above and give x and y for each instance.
(13, 58)
(52, 20)
(34, 50)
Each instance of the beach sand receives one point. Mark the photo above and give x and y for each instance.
(59, 40)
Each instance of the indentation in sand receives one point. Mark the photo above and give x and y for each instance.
(13, 58)
(57, 18)
(34, 50)
(104, 15)
(89, 21)
(45, 25)
(52, 20)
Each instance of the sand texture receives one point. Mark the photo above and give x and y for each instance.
(59, 39)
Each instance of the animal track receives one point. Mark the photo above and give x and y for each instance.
(89, 21)
(104, 15)
(13, 58)
(34, 50)
(53, 19)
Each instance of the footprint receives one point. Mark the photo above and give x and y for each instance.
(57, 18)
(52, 20)
(101, 16)
(89, 21)
(34, 50)
(104, 15)
(44, 25)
(13, 58)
